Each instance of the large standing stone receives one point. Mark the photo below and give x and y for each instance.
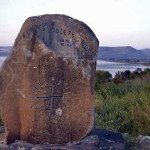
(47, 82)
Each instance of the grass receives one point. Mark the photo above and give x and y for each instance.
(124, 107)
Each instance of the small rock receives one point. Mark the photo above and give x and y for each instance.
(143, 142)
(107, 140)
(91, 140)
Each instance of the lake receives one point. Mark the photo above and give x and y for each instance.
(112, 67)
(2, 60)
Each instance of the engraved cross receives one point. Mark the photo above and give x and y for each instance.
(49, 98)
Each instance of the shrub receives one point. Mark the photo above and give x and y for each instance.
(124, 107)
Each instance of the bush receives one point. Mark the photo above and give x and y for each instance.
(102, 77)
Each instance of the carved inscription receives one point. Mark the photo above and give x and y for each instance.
(63, 32)
(64, 38)
(65, 42)
(86, 52)
(50, 27)
(49, 106)
(38, 86)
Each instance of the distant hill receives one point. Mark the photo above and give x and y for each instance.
(4, 51)
(147, 52)
(108, 53)
(122, 53)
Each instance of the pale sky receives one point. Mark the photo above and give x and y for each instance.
(115, 22)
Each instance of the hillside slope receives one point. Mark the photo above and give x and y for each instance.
(108, 53)
(147, 52)
(126, 52)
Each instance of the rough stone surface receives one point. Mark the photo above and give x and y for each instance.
(100, 139)
(142, 143)
(47, 82)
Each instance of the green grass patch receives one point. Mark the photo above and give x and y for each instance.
(124, 107)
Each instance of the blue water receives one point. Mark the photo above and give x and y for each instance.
(2, 60)
(112, 67)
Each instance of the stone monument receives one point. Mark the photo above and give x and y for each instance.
(47, 82)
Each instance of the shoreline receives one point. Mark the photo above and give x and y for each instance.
(127, 62)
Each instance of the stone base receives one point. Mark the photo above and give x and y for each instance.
(100, 139)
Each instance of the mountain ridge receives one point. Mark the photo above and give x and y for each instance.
(122, 53)
(107, 53)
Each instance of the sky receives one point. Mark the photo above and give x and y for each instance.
(115, 22)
